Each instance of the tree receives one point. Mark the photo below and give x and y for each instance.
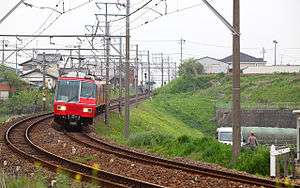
(14, 81)
(190, 68)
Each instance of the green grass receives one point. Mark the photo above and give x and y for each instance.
(84, 159)
(179, 121)
(3, 118)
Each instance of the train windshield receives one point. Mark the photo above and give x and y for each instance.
(88, 90)
(68, 91)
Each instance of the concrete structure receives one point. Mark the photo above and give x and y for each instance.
(259, 118)
(272, 69)
(212, 65)
(246, 61)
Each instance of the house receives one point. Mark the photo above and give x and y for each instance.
(35, 77)
(245, 61)
(51, 60)
(5, 89)
(212, 65)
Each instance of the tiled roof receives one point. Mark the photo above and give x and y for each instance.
(244, 58)
(49, 58)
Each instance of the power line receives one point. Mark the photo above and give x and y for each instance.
(138, 9)
(74, 8)
(170, 13)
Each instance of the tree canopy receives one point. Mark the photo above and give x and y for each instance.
(11, 77)
(190, 68)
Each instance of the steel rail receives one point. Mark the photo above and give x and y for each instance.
(55, 162)
(103, 146)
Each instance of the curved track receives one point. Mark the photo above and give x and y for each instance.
(101, 145)
(18, 138)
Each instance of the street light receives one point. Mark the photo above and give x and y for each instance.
(275, 43)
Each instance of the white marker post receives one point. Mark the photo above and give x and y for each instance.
(273, 154)
(297, 112)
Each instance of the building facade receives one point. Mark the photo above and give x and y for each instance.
(212, 65)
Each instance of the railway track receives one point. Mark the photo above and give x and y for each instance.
(103, 146)
(18, 138)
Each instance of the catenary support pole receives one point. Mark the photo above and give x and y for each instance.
(44, 81)
(126, 126)
(3, 45)
(162, 69)
(149, 76)
(120, 76)
(16, 57)
(107, 85)
(236, 108)
(136, 76)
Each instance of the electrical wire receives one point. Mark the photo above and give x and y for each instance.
(74, 8)
(138, 9)
(141, 15)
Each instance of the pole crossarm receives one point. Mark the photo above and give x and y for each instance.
(49, 49)
(225, 22)
(60, 36)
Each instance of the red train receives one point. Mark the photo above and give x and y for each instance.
(78, 100)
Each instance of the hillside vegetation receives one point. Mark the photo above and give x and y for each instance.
(179, 120)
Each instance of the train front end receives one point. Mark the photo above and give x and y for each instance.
(75, 101)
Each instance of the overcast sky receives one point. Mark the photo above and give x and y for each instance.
(262, 21)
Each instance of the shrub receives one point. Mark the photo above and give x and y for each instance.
(28, 101)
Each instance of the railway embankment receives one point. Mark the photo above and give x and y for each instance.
(180, 120)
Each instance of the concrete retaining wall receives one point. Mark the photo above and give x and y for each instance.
(259, 118)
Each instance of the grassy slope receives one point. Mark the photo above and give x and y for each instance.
(179, 121)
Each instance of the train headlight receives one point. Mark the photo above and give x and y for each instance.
(61, 108)
(88, 110)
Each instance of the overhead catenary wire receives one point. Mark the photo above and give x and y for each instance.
(49, 25)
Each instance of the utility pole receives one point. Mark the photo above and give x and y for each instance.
(148, 58)
(79, 61)
(263, 53)
(136, 73)
(106, 116)
(181, 49)
(162, 70)
(120, 76)
(44, 81)
(168, 69)
(275, 46)
(236, 108)
(16, 57)
(142, 71)
(126, 127)
(3, 45)
(175, 70)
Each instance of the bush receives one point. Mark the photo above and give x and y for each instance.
(249, 160)
(29, 101)
(190, 68)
